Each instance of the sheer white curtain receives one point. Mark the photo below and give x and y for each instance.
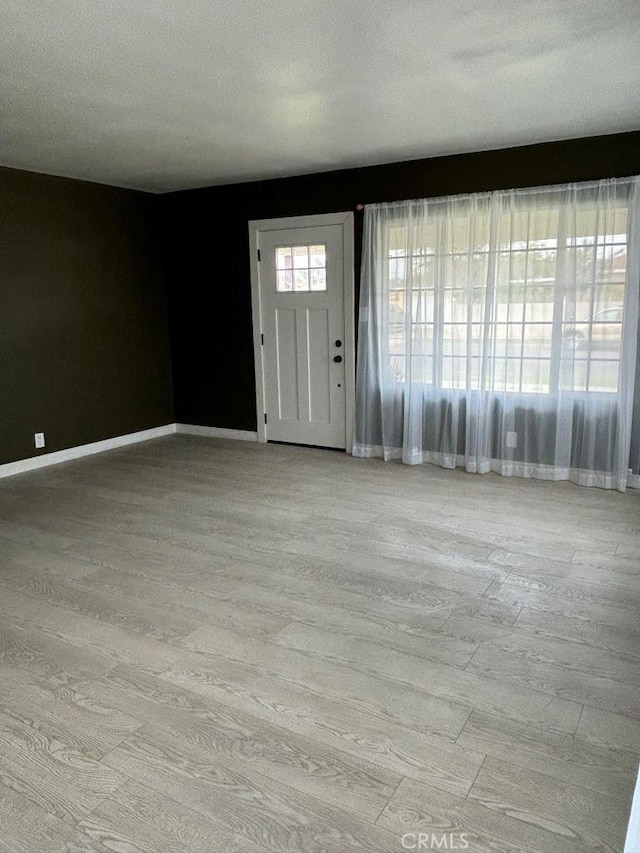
(499, 331)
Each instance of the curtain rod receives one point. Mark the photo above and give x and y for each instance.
(536, 188)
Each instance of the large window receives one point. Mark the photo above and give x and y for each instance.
(525, 298)
(499, 331)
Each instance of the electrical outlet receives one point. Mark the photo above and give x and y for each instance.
(39, 439)
(512, 439)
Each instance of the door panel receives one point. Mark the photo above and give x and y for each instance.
(301, 274)
(286, 341)
(317, 322)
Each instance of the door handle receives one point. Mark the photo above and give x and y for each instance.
(337, 359)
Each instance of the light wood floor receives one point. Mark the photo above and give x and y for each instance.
(221, 646)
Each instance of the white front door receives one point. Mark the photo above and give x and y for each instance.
(301, 273)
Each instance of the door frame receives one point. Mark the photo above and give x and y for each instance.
(344, 219)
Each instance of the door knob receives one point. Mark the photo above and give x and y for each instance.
(337, 359)
(338, 343)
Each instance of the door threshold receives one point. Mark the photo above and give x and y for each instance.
(310, 446)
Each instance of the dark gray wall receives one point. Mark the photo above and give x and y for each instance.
(84, 351)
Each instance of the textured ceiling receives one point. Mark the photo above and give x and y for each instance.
(169, 94)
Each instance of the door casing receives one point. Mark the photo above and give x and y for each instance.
(344, 219)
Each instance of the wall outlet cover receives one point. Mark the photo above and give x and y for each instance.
(39, 439)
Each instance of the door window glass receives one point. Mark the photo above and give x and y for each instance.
(301, 268)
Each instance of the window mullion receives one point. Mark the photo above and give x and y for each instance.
(408, 302)
(525, 293)
(592, 292)
(438, 307)
(489, 318)
(470, 291)
(558, 300)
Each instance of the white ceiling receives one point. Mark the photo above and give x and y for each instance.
(168, 94)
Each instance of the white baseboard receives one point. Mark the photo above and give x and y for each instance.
(217, 432)
(46, 459)
(633, 481)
